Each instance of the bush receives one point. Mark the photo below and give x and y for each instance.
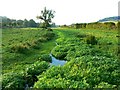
(45, 57)
(60, 52)
(80, 35)
(105, 85)
(35, 44)
(37, 68)
(42, 39)
(19, 48)
(13, 81)
(91, 40)
(48, 34)
(60, 55)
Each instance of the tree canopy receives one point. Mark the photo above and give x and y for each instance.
(46, 16)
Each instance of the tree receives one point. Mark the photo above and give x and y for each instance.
(20, 23)
(25, 23)
(46, 16)
(32, 23)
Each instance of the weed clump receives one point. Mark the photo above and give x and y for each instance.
(91, 40)
(80, 35)
(19, 48)
(35, 44)
(48, 34)
(45, 57)
(34, 70)
(42, 39)
(13, 80)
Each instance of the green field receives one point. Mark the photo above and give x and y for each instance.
(91, 55)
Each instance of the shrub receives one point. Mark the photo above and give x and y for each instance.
(48, 34)
(37, 68)
(105, 85)
(60, 55)
(42, 39)
(80, 35)
(91, 40)
(19, 48)
(35, 44)
(45, 57)
(13, 81)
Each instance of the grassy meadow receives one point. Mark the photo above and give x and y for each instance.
(91, 56)
(22, 46)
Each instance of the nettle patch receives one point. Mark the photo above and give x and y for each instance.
(45, 57)
(83, 72)
(18, 80)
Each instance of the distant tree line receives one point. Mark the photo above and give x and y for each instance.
(96, 25)
(13, 23)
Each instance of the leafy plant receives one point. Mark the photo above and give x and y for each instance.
(91, 40)
(13, 81)
(105, 85)
(19, 48)
(37, 68)
(45, 57)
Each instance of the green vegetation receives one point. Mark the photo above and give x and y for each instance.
(90, 65)
(24, 55)
(96, 25)
(22, 46)
(13, 23)
(91, 56)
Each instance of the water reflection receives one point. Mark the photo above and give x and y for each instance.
(57, 62)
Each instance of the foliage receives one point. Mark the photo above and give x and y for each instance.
(48, 35)
(80, 35)
(60, 52)
(84, 72)
(88, 66)
(46, 16)
(45, 57)
(24, 46)
(105, 85)
(91, 40)
(118, 25)
(96, 25)
(13, 81)
(12, 23)
(34, 70)
(19, 48)
(37, 68)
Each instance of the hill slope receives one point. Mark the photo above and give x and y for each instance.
(115, 18)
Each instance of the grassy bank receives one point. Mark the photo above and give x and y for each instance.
(23, 46)
(91, 56)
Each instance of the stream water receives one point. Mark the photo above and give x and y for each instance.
(57, 62)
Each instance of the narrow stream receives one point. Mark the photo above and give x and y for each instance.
(57, 62)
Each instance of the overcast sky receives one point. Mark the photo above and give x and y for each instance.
(67, 11)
